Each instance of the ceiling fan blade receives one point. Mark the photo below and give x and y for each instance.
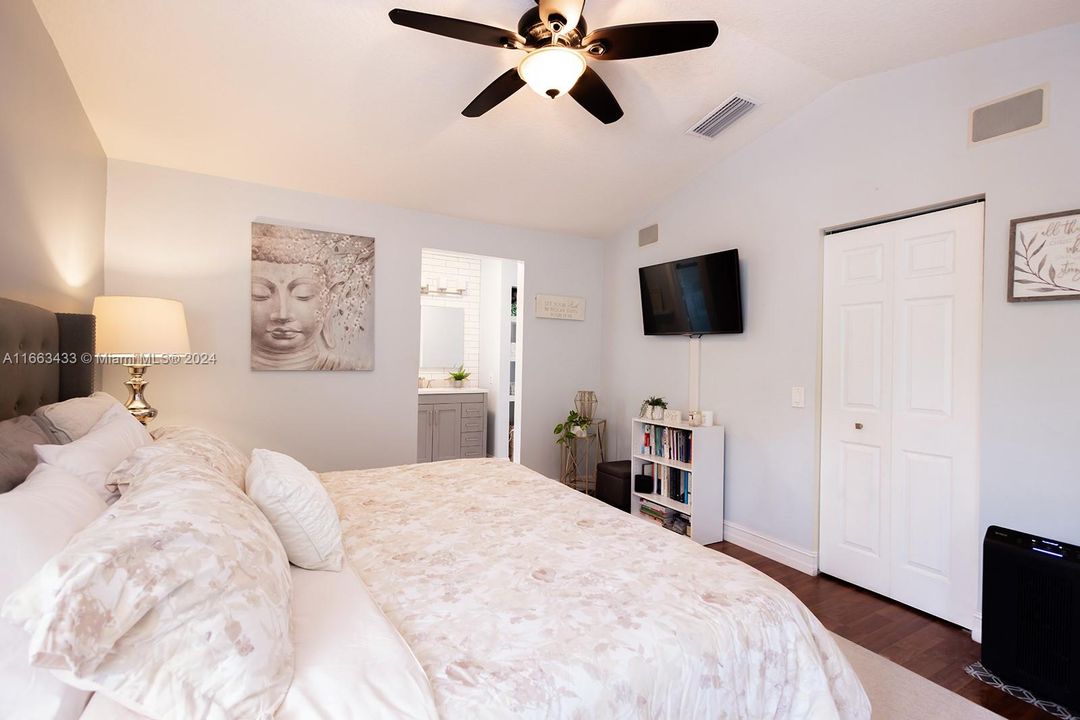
(457, 29)
(504, 86)
(623, 42)
(561, 15)
(593, 94)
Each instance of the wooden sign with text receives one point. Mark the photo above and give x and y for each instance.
(560, 307)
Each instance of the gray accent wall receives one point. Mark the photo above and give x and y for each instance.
(52, 173)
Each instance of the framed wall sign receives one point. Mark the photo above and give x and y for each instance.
(560, 307)
(1044, 258)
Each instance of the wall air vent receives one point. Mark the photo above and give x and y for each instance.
(723, 117)
(1023, 111)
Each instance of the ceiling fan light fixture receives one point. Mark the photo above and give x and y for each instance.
(552, 71)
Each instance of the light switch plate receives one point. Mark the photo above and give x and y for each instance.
(798, 397)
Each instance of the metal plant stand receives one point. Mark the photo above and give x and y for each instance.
(580, 458)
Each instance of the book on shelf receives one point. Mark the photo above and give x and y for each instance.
(671, 520)
(652, 518)
(671, 482)
(655, 510)
(667, 443)
(674, 483)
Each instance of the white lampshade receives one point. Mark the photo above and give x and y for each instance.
(553, 70)
(140, 326)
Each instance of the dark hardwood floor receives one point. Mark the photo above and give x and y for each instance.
(933, 648)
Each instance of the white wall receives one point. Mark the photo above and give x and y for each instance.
(188, 236)
(870, 147)
(52, 173)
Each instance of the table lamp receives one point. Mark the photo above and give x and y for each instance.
(137, 331)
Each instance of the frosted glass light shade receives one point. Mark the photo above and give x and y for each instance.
(552, 71)
(140, 325)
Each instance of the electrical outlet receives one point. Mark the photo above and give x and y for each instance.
(798, 397)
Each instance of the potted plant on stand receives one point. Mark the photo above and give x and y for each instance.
(576, 425)
(653, 408)
(459, 376)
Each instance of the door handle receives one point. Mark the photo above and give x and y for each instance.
(858, 426)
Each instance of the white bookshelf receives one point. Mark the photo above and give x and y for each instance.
(706, 469)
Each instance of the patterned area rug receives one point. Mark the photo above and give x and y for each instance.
(980, 673)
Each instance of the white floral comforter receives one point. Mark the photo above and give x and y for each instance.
(524, 599)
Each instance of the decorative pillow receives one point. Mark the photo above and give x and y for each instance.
(36, 521)
(93, 456)
(174, 603)
(18, 436)
(297, 505)
(69, 420)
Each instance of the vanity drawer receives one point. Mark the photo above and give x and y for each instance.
(473, 452)
(472, 425)
(472, 410)
(471, 440)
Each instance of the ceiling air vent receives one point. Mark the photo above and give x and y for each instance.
(723, 117)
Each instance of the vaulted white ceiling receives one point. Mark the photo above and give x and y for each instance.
(328, 96)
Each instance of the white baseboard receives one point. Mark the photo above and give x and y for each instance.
(976, 629)
(798, 558)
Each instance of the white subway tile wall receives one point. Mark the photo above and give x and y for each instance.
(439, 268)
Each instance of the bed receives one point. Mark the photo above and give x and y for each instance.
(521, 598)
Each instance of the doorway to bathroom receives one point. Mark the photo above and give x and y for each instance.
(470, 375)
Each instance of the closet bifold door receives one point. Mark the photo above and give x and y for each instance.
(856, 407)
(902, 316)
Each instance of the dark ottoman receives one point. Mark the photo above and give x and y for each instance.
(613, 483)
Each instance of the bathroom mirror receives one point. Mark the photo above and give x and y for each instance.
(442, 337)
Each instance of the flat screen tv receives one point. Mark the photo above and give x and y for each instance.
(695, 296)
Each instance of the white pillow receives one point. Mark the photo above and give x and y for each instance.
(297, 505)
(93, 456)
(71, 419)
(174, 601)
(351, 662)
(36, 521)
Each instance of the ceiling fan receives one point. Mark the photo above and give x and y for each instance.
(557, 43)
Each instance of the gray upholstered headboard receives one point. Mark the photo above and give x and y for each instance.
(28, 335)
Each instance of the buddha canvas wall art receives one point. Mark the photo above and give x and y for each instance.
(312, 299)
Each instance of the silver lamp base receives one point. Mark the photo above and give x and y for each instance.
(136, 402)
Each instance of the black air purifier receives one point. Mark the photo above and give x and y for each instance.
(1031, 614)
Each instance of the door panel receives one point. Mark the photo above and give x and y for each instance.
(424, 428)
(926, 367)
(861, 496)
(901, 334)
(860, 371)
(446, 443)
(925, 485)
(863, 265)
(930, 255)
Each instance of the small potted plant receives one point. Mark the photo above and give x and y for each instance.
(654, 408)
(575, 425)
(459, 376)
